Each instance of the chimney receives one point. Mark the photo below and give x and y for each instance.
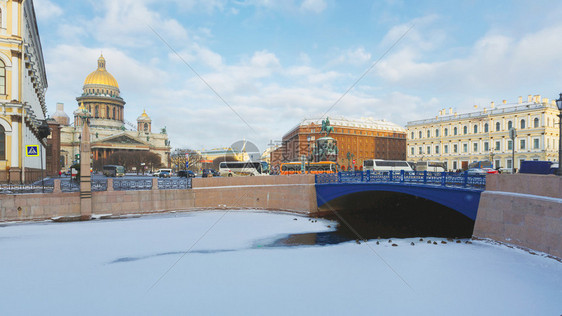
(544, 100)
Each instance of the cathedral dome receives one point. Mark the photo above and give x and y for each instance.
(101, 76)
(144, 117)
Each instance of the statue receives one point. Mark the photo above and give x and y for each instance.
(326, 126)
(163, 130)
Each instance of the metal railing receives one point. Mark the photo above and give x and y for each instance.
(132, 184)
(171, 184)
(25, 188)
(450, 179)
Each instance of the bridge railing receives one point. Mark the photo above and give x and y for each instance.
(452, 179)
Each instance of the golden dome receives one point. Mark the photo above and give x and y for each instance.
(101, 76)
(144, 117)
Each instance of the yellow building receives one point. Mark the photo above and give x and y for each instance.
(460, 139)
(101, 97)
(23, 82)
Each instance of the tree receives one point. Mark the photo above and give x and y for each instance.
(178, 159)
(130, 159)
(218, 160)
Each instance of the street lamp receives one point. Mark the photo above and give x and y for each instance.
(559, 105)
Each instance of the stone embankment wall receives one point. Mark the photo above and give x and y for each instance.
(524, 210)
(293, 193)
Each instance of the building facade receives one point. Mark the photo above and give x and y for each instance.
(460, 139)
(357, 140)
(23, 83)
(101, 98)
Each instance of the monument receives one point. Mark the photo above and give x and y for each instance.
(325, 148)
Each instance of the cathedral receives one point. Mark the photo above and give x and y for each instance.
(101, 98)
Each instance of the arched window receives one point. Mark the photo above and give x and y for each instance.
(446, 132)
(536, 122)
(113, 113)
(455, 131)
(475, 129)
(486, 128)
(420, 134)
(428, 133)
(2, 77)
(2, 143)
(97, 112)
(509, 125)
(498, 126)
(437, 132)
(522, 124)
(465, 130)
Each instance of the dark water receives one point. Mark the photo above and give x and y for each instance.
(372, 215)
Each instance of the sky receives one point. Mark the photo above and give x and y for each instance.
(227, 263)
(214, 72)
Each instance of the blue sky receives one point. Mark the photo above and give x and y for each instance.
(278, 62)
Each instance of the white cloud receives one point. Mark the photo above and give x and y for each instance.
(46, 10)
(316, 6)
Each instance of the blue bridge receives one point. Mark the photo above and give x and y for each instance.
(458, 191)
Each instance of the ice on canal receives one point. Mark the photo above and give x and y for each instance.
(231, 263)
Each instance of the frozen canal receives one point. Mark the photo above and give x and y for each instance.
(140, 267)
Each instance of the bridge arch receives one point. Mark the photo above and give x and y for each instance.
(462, 200)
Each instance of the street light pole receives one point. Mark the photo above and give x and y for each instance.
(559, 105)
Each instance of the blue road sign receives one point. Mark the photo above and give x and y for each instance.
(32, 150)
(186, 164)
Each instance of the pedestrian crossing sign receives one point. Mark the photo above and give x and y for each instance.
(32, 150)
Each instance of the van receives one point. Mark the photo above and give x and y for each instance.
(386, 165)
(157, 173)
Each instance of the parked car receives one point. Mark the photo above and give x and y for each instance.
(157, 173)
(477, 171)
(186, 174)
(207, 172)
(164, 174)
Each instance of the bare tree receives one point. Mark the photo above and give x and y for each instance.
(136, 159)
(179, 160)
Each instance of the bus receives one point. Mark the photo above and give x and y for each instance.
(113, 171)
(243, 168)
(311, 168)
(434, 166)
(386, 165)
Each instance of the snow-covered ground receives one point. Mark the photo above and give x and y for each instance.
(140, 267)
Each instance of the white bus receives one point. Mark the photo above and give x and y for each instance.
(434, 166)
(243, 168)
(386, 165)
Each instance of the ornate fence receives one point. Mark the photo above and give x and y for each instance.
(451, 179)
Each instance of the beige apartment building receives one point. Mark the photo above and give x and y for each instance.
(460, 139)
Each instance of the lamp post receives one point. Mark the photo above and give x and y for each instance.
(559, 105)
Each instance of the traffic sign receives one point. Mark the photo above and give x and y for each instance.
(32, 150)
(353, 161)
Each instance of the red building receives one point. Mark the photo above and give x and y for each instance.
(358, 139)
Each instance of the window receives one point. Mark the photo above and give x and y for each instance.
(146, 127)
(437, 133)
(428, 150)
(437, 149)
(113, 113)
(536, 122)
(412, 151)
(497, 163)
(509, 125)
(522, 124)
(455, 148)
(419, 150)
(446, 132)
(420, 134)
(498, 145)
(475, 145)
(428, 133)
(455, 131)
(465, 130)
(412, 135)
(536, 143)
(475, 129)
(97, 111)
(509, 145)
(2, 143)
(508, 163)
(498, 126)
(454, 165)
(2, 77)
(522, 144)
(446, 148)
(464, 148)
(486, 146)
(486, 128)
